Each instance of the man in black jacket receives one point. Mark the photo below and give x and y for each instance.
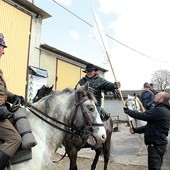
(156, 130)
(98, 84)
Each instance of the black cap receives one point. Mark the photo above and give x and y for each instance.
(90, 67)
(146, 85)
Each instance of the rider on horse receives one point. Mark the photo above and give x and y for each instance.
(97, 85)
(10, 138)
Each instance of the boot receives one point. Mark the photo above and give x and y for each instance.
(104, 115)
(4, 158)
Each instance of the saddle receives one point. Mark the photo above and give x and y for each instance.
(22, 125)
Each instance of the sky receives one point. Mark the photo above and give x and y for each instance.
(137, 41)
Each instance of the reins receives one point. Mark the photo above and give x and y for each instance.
(83, 131)
(34, 110)
(73, 130)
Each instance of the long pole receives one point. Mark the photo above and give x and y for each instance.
(109, 59)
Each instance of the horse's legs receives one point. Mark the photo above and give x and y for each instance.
(98, 152)
(140, 138)
(73, 158)
(106, 149)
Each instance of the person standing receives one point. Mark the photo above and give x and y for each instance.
(152, 89)
(156, 130)
(147, 97)
(97, 85)
(10, 138)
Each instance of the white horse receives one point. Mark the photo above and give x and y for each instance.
(72, 107)
(134, 103)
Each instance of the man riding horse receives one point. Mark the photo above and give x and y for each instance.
(97, 85)
(10, 138)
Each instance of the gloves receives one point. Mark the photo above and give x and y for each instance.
(117, 85)
(116, 94)
(4, 114)
(126, 110)
(18, 100)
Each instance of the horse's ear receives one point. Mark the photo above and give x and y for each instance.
(86, 86)
(77, 86)
(51, 87)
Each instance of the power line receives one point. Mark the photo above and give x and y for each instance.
(137, 51)
(73, 13)
(153, 58)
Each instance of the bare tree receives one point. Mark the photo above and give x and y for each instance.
(161, 79)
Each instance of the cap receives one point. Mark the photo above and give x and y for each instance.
(146, 85)
(90, 67)
(2, 42)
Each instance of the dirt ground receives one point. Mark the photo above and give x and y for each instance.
(128, 152)
(125, 149)
(84, 164)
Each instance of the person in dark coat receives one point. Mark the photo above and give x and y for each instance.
(147, 97)
(98, 84)
(152, 89)
(9, 137)
(156, 130)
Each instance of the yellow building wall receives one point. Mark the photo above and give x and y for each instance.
(15, 25)
(68, 75)
(48, 62)
(82, 74)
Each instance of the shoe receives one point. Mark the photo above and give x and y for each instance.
(104, 115)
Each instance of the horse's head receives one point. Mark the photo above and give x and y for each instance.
(43, 91)
(75, 107)
(86, 115)
(132, 103)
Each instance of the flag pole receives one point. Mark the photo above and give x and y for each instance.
(109, 59)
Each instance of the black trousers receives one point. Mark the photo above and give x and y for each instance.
(155, 156)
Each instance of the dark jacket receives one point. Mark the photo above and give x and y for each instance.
(97, 85)
(153, 91)
(147, 99)
(158, 122)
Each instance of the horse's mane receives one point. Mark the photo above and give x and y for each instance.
(48, 101)
(91, 96)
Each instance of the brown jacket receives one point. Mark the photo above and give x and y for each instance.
(5, 95)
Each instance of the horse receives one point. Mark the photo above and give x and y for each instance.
(133, 103)
(73, 144)
(43, 91)
(70, 111)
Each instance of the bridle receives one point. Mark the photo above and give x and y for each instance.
(84, 132)
(88, 126)
(135, 103)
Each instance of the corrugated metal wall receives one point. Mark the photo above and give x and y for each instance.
(15, 25)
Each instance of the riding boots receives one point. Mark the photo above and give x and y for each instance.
(4, 159)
